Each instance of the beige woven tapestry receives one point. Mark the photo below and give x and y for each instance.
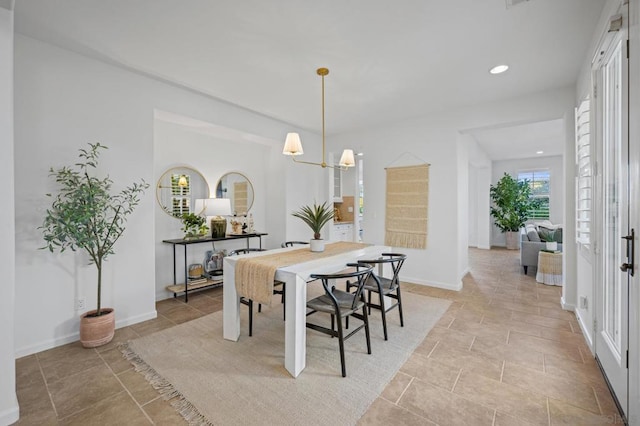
(407, 206)
(240, 197)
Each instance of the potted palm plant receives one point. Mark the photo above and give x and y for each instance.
(316, 217)
(85, 215)
(512, 203)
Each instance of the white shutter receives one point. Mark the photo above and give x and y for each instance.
(584, 176)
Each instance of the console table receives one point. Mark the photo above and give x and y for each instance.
(176, 288)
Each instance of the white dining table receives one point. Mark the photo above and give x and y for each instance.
(295, 278)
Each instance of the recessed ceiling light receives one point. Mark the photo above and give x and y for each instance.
(539, 152)
(499, 69)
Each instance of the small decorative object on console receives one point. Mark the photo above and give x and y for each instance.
(213, 262)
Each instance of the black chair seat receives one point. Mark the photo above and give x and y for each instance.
(388, 286)
(345, 300)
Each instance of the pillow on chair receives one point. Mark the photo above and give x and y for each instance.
(532, 234)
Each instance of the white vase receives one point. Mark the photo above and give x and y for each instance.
(552, 245)
(317, 245)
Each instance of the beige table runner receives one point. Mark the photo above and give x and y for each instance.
(255, 275)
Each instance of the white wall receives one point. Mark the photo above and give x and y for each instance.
(8, 402)
(463, 205)
(479, 181)
(63, 101)
(555, 166)
(212, 155)
(424, 140)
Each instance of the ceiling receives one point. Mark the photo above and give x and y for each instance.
(388, 61)
(543, 138)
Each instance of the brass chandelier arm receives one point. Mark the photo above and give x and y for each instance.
(324, 165)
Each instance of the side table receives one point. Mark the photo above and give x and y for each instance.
(549, 268)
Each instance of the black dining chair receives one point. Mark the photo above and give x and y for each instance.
(341, 304)
(389, 287)
(293, 243)
(278, 288)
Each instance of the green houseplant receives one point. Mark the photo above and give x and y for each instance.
(84, 214)
(315, 216)
(193, 226)
(511, 205)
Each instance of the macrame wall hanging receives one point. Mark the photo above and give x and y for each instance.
(407, 202)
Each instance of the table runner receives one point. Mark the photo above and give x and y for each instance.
(255, 275)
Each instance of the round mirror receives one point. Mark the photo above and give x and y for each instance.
(237, 188)
(179, 188)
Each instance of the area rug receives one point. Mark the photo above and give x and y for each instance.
(214, 381)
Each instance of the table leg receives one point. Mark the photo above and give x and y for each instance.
(186, 280)
(231, 304)
(295, 343)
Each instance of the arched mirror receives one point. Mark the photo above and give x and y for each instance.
(179, 188)
(237, 188)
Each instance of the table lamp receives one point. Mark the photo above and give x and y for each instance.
(218, 208)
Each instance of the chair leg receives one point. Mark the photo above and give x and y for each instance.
(400, 306)
(259, 307)
(369, 303)
(366, 328)
(383, 310)
(341, 342)
(525, 269)
(284, 305)
(333, 326)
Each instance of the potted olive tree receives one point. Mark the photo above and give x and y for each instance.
(512, 203)
(316, 217)
(85, 215)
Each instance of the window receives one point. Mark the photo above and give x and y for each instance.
(539, 183)
(583, 175)
(180, 194)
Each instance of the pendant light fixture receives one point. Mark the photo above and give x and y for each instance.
(293, 145)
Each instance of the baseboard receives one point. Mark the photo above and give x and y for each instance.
(138, 318)
(74, 337)
(445, 286)
(10, 415)
(465, 272)
(567, 306)
(586, 332)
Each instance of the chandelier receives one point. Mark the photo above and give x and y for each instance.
(293, 145)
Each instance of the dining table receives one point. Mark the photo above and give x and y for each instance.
(294, 267)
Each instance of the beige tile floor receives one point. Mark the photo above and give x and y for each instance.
(505, 353)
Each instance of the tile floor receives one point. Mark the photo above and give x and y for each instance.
(505, 353)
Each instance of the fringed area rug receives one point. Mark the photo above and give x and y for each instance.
(240, 383)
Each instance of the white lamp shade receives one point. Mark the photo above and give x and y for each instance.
(347, 159)
(217, 207)
(198, 207)
(292, 145)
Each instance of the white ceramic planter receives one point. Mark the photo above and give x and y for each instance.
(552, 245)
(317, 245)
